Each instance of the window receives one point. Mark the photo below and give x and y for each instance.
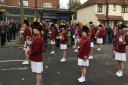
(12, 11)
(125, 9)
(25, 3)
(47, 5)
(114, 7)
(99, 8)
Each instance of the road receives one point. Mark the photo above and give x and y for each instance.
(101, 71)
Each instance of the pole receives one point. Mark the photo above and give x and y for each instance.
(22, 11)
(70, 4)
(36, 8)
(107, 11)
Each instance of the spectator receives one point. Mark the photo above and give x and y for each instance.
(12, 30)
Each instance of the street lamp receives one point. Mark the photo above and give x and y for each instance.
(107, 12)
(22, 11)
(70, 4)
(36, 8)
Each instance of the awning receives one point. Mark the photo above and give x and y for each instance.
(2, 10)
(101, 17)
(110, 17)
(116, 18)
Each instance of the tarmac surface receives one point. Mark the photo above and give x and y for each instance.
(101, 71)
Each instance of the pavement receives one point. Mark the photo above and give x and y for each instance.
(101, 71)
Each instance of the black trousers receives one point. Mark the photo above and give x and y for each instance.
(8, 36)
(12, 35)
(3, 39)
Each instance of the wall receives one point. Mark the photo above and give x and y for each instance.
(125, 16)
(85, 15)
(118, 11)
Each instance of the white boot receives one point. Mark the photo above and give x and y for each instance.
(81, 79)
(63, 60)
(90, 57)
(99, 49)
(76, 50)
(52, 52)
(119, 73)
(25, 62)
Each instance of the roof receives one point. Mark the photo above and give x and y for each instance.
(110, 17)
(125, 2)
(92, 2)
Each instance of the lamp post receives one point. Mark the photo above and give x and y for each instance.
(107, 12)
(36, 8)
(70, 4)
(22, 11)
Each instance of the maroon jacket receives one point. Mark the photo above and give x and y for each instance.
(53, 34)
(100, 33)
(26, 33)
(37, 49)
(121, 46)
(92, 32)
(78, 32)
(85, 48)
(64, 38)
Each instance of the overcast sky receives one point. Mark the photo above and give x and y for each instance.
(63, 3)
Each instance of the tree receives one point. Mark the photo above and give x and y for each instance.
(74, 4)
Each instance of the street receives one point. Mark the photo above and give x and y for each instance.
(101, 71)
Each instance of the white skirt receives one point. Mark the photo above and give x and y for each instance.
(92, 44)
(82, 62)
(120, 56)
(63, 46)
(37, 67)
(99, 40)
(53, 42)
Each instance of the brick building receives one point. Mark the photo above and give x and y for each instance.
(48, 10)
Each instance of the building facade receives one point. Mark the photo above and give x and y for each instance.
(103, 11)
(46, 9)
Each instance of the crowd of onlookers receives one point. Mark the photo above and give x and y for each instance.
(8, 31)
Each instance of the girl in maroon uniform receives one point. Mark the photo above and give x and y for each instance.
(36, 52)
(83, 54)
(120, 50)
(53, 34)
(27, 41)
(77, 35)
(92, 34)
(99, 35)
(63, 43)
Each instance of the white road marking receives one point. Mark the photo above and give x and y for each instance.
(18, 68)
(6, 61)
(15, 68)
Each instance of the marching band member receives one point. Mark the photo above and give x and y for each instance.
(27, 40)
(83, 54)
(63, 43)
(53, 34)
(92, 34)
(77, 35)
(36, 54)
(99, 35)
(120, 50)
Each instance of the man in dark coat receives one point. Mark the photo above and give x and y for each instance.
(12, 30)
(3, 34)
